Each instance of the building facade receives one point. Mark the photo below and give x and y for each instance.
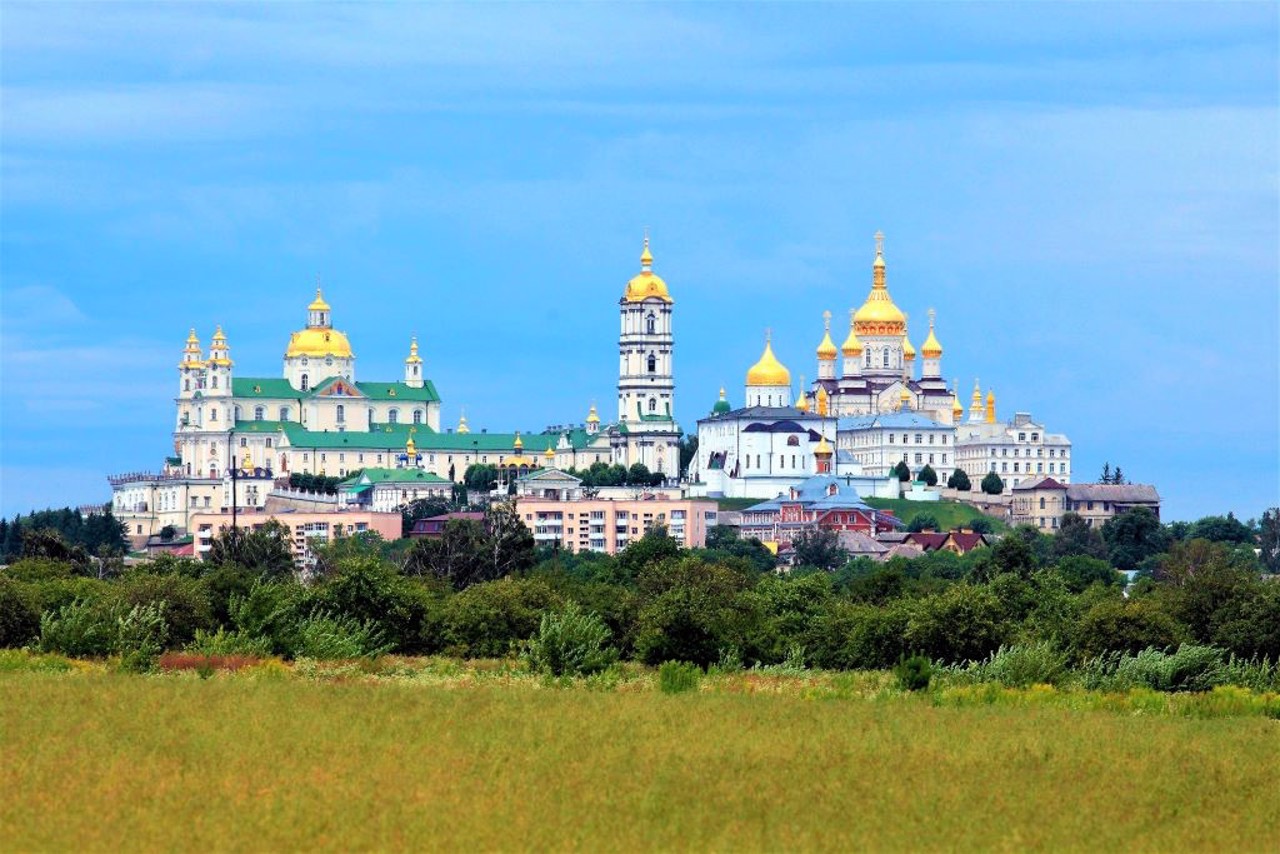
(1042, 501)
(1017, 450)
(823, 502)
(879, 442)
(306, 529)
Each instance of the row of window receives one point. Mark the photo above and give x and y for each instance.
(919, 438)
(1004, 467)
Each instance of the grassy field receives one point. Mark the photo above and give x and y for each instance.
(102, 761)
(950, 514)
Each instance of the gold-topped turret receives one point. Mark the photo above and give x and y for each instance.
(931, 348)
(908, 352)
(191, 357)
(991, 407)
(851, 346)
(219, 352)
(768, 371)
(957, 411)
(462, 422)
(318, 304)
(803, 403)
(827, 349)
(518, 445)
(647, 284)
(593, 417)
(549, 455)
(824, 401)
(414, 358)
(879, 315)
(319, 339)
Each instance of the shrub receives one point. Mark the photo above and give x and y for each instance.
(228, 643)
(1020, 666)
(19, 617)
(679, 677)
(1127, 625)
(329, 637)
(914, 673)
(963, 623)
(570, 643)
(81, 630)
(266, 611)
(1256, 674)
(1190, 668)
(488, 619)
(186, 601)
(141, 633)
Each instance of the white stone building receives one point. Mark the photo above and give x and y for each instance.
(880, 442)
(1016, 450)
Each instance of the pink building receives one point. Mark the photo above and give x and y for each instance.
(607, 525)
(305, 527)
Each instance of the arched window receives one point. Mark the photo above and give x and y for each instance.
(1042, 502)
(650, 324)
(866, 359)
(306, 382)
(393, 417)
(417, 416)
(213, 383)
(342, 414)
(653, 363)
(886, 358)
(213, 414)
(186, 385)
(370, 417)
(259, 413)
(653, 404)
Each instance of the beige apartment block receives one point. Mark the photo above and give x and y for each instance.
(305, 529)
(605, 525)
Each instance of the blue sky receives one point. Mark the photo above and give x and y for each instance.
(1086, 193)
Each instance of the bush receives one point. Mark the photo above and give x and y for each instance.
(228, 643)
(80, 630)
(186, 601)
(963, 623)
(141, 633)
(328, 637)
(914, 673)
(489, 619)
(19, 617)
(1190, 668)
(1126, 625)
(570, 643)
(1020, 666)
(679, 677)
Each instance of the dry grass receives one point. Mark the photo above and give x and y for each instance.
(102, 761)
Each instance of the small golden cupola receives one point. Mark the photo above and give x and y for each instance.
(957, 411)
(219, 352)
(851, 346)
(646, 284)
(803, 403)
(411, 449)
(827, 349)
(191, 357)
(931, 349)
(414, 358)
(904, 398)
(908, 352)
(823, 401)
(593, 417)
(991, 407)
(768, 371)
(549, 455)
(463, 427)
(518, 445)
(879, 315)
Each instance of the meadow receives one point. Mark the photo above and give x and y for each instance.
(403, 753)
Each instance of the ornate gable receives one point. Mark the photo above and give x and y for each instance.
(339, 387)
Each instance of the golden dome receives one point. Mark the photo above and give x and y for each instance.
(318, 304)
(823, 399)
(905, 394)
(977, 393)
(549, 453)
(411, 448)
(803, 403)
(462, 424)
(218, 350)
(593, 417)
(908, 352)
(318, 342)
(879, 315)
(647, 284)
(768, 371)
(827, 349)
(191, 338)
(931, 348)
(957, 411)
(414, 358)
(824, 447)
(519, 443)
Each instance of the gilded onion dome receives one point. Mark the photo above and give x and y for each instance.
(879, 315)
(823, 400)
(827, 349)
(414, 358)
(191, 353)
(824, 447)
(318, 341)
(463, 427)
(908, 352)
(647, 284)
(768, 371)
(318, 304)
(803, 403)
(957, 411)
(851, 346)
(219, 352)
(549, 454)
(519, 443)
(931, 348)
(593, 417)
(411, 449)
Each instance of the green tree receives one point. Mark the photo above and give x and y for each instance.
(959, 481)
(688, 451)
(963, 623)
(1221, 529)
(1075, 536)
(509, 540)
(901, 471)
(458, 556)
(691, 610)
(654, 547)
(992, 484)
(421, 508)
(1269, 539)
(928, 475)
(50, 543)
(1011, 554)
(1079, 571)
(819, 548)
(923, 522)
(480, 477)
(1132, 537)
(638, 474)
(264, 549)
(1203, 578)
(1129, 625)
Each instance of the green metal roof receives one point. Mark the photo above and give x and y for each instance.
(399, 391)
(279, 389)
(372, 476)
(272, 388)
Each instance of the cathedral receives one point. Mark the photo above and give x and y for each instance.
(236, 438)
(874, 370)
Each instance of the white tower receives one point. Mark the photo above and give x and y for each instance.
(852, 349)
(218, 414)
(413, 366)
(768, 380)
(646, 383)
(826, 351)
(931, 350)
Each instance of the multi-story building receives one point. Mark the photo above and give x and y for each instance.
(1016, 450)
(879, 442)
(305, 528)
(561, 513)
(823, 502)
(1042, 501)
(390, 490)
